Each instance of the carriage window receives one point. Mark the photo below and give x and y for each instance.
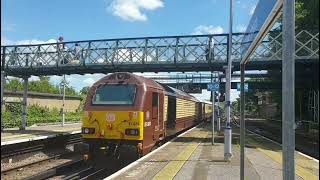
(115, 94)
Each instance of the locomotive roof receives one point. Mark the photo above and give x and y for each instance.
(176, 92)
(150, 83)
(125, 75)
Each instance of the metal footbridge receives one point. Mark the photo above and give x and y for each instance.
(150, 54)
(194, 82)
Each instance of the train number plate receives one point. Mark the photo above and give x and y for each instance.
(111, 117)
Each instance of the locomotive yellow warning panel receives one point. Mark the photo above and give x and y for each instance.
(113, 125)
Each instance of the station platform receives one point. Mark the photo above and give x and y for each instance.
(14, 135)
(192, 156)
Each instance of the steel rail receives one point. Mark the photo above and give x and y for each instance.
(8, 151)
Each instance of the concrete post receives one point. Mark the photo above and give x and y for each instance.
(218, 112)
(288, 89)
(3, 82)
(24, 104)
(213, 97)
(318, 106)
(227, 131)
(242, 122)
(63, 100)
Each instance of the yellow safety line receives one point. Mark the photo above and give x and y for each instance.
(173, 167)
(276, 156)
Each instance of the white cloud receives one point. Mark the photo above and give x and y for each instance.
(70, 78)
(76, 81)
(35, 41)
(207, 30)
(234, 94)
(132, 10)
(89, 81)
(205, 95)
(5, 41)
(34, 78)
(241, 28)
(252, 9)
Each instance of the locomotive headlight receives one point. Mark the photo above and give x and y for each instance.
(86, 130)
(132, 132)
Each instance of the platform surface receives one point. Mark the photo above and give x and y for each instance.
(192, 156)
(14, 135)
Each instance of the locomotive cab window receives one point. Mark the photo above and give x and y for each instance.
(154, 99)
(115, 94)
(155, 104)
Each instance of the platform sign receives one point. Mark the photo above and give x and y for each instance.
(191, 88)
(259, 24)
(246, 87)
(215, 86)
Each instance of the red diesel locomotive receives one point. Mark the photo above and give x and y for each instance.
(124, 109)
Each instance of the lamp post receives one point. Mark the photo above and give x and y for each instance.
(228, 130)
(63, 83)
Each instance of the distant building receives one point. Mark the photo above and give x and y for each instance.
(44, 99)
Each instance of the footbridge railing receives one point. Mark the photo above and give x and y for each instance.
(146, 54)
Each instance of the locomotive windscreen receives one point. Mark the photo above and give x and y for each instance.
(113, 94)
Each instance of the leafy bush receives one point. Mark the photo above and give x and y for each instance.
(14, 108)
(38, 111)
(35, 114)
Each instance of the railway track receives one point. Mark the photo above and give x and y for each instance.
(59, 170)
(23, 159)
(13, 150)
(33, 163)
(275, 135)
(80, 169)
(89, 170)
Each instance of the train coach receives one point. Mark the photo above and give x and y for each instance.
(124, 109)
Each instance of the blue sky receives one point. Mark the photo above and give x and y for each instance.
(36, 21)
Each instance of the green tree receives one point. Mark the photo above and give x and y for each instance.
(307, 15)
(84, 90)
(13, 84)
(42, 85)
(83, 94)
